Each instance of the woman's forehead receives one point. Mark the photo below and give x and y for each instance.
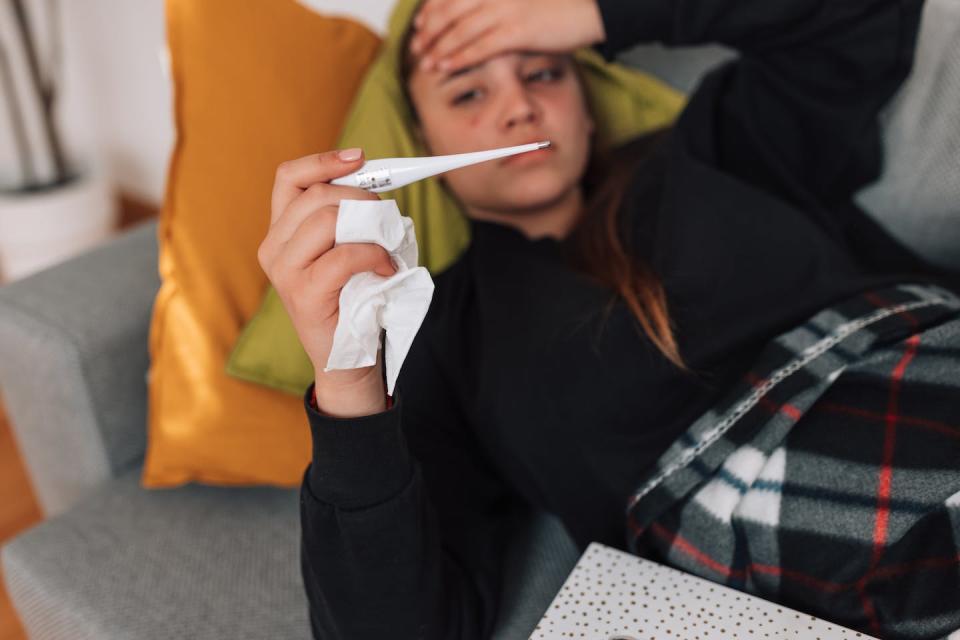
(441, 78)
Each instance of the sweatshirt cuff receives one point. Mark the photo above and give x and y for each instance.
(359, 461)
(631, 23)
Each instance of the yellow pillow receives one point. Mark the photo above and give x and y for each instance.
(625, 102)
(255, 83)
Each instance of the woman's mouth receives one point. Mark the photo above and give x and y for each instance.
(528, 157)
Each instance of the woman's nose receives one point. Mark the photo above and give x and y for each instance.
(519, 108)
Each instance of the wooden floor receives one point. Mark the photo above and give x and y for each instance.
(20, 510)
(18, 505)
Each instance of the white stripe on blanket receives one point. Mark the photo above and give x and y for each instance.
(732, 489)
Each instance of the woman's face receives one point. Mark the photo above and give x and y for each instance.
(510, 99)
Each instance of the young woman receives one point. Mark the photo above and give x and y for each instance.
(606, 300)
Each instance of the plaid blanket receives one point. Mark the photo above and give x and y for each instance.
(829, 479)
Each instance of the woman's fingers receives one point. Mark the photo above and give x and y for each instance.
(332, 270)
(299, 253)
(490, 43)
(314, 198)
(464, 32)
(461, 33)
(433, 18)
(313, 237)
(295, 176)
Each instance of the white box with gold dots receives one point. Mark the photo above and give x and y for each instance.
(614, 595)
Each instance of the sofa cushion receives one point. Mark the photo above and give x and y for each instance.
(916, 198)
(255, 83)
(206, 562)
(193, 562)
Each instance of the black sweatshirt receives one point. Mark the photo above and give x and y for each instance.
(517, 393)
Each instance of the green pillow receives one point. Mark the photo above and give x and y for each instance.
(625, 103)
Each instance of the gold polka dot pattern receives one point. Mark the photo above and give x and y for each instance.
(613, 595)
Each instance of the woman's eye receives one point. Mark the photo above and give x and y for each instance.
(465, 97)
(554, 73)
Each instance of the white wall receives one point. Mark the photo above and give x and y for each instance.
(373, 14)
(120, 93)
(115, 102)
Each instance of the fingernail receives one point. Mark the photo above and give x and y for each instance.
(426, 63)
(443, 65)
(349, 155)
(418, 21)
(415, 45)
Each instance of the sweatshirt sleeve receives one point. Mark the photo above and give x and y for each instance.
(796, 113)
(404, 521)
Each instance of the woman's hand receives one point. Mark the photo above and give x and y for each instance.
(307, 270)
(452, 34)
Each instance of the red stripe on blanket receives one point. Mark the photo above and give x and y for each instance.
(889, 445)
(680, 543)
(882, 573)
(903, 568)
(770, 405)
(879, 301)
(870, 612)
(675, 541)
(952, 431)
(886, 473)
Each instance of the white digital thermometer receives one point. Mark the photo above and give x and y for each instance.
(385, 174)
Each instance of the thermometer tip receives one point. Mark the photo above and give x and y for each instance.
(541, 145)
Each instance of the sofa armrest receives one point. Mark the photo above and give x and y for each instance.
(680, 67)
(540, 556)
(73, 363)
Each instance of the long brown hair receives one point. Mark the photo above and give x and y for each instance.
(599, 240)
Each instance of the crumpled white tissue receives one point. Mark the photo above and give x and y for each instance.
(369, 302)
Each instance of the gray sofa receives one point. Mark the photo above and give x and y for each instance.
(115, 561)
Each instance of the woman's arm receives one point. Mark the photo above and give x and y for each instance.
(797, 112)
(404, 521)
(756, 27)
